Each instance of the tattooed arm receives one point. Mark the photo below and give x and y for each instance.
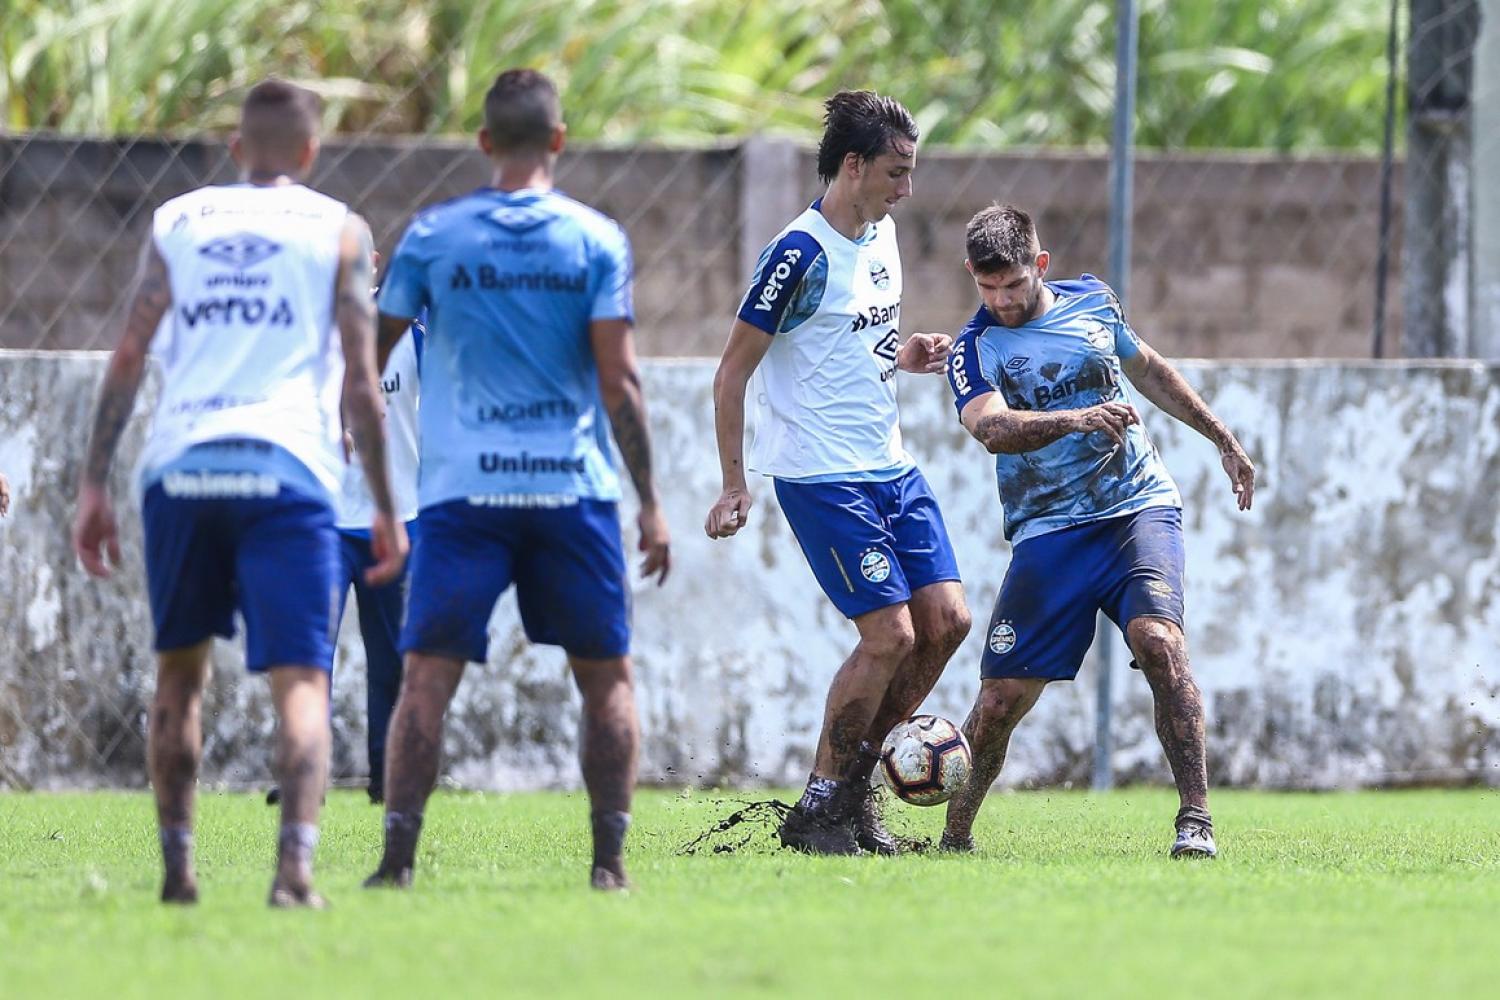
(94, 527)
(1003, 430)
(354, 308)
(620, 387)
(1159, 381)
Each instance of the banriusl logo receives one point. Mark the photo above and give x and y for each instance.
(776, 281)
(240, 251)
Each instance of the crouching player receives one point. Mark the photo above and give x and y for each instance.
(1094, 518)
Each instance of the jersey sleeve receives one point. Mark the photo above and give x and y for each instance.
(966, 375)
(1127, 341)
(614, 277)
(776, 295)
(404, 291)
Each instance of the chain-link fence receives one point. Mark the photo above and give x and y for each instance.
(1259, 185)
(1258, 198)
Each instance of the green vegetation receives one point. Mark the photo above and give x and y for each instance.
(1366, 895)
(1278, 74)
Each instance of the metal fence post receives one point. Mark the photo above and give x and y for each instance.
(1121, 171)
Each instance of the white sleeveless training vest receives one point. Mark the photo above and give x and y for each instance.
(824, 395)
(250, 348)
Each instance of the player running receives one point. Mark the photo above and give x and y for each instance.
(529, 353)
(816, 339)
(1094, 517)
(262, 294)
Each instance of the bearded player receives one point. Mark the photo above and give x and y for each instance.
(816, 341)
(1094, 518)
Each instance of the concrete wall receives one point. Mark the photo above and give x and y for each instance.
(1345, 632)
(1235, 256)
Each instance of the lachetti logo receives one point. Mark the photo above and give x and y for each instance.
(776, 281)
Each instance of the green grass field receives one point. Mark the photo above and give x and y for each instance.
(1364, 895)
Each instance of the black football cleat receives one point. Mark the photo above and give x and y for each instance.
(869, 825)
(818, 833)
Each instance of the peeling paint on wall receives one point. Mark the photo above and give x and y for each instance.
(1345, 632)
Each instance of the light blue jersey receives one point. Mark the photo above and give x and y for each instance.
(1066, 359)
(511, 413)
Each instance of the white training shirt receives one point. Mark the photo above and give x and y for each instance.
(824, 396)
(402, 385)
(250, 348)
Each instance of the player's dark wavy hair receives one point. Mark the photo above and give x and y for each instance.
(862, 122)
(521, 110)
(999, 238)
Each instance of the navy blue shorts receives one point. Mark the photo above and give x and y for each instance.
(869, 544)
(1128, 567)
(275, 559)
(566, 562)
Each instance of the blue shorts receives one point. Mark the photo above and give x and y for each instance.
(1043, 624)
(566, 562)
(275, 559)
(869, 544)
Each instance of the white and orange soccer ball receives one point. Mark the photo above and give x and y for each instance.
(925, 760)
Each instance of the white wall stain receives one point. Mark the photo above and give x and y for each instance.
(1345, 631)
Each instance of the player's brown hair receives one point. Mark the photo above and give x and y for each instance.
(999, 238)
(861, 122)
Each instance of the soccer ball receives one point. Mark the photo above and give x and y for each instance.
(925, 760)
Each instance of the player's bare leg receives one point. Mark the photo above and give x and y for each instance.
(822, 822)
(940, 622)
(174, 747)
(608, 746)
(1160, 650)
(412, 752)
(303, 740)
(1002, 703)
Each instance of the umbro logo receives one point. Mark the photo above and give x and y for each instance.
(1016, 364)
(519, 217)
(889, 347)
(241, 250)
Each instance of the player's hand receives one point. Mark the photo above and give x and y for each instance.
(656, 543)
(1111, 418)
(4, 495)
(925, 353)
(1241, 473)
(729, 513)
(95, 531)
(389, 545)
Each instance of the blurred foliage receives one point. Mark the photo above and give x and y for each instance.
(1273, 74)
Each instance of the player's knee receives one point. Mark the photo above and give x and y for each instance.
(958, 621)
(1001, 704)
(893, 640)
(1159, 646)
